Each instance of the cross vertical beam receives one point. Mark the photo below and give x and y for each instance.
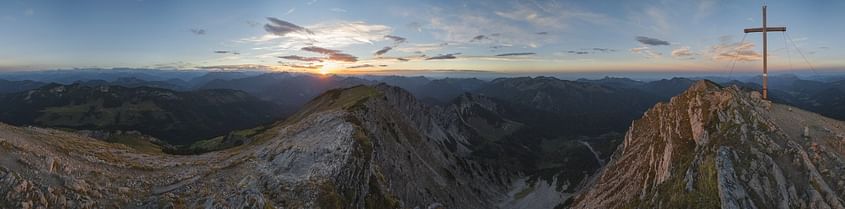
(765, 30)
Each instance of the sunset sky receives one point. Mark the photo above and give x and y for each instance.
(396, 37)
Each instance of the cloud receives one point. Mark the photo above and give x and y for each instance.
(328, 34)
(443, 57)
(651, 41)
(739, 51)
(440, 72)
(335, 55)
(226, 52)
(237, 67)
(29, 12)
(577, 52)
(549, 15)
(603, 50)
(465, 28)
(198, 31)
(301, 58)
(343, 57)
(396, 39)
(516, 54)
(300, 66)
(683, 52)
(479, 38)
(383, 50)
(365, 66)
(337, 10)
(647, 52)
(320, 50)
(543, 33)
(290, 11)
(281, 27)
(421, 48)
(403, 59)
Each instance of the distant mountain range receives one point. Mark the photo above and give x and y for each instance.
(590, 107)
(175, 117)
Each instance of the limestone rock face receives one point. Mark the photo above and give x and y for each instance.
(715, 147)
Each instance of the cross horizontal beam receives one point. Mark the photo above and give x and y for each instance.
(767, 29)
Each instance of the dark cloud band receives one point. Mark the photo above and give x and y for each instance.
(652, 41)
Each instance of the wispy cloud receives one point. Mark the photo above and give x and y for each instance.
(226, 52)
(327, 34)
(421, 48)
(301, 58)
(280, 27)
(683, 53)
(647, 52)
(652, 41)
(739, 51)
(479, 38)
(383, 51)
(238, 67)
(516, 54)
(396, 39)
(198, 31)
(300, 66)
(337, 10)
(365, 66)
(335, 55)
(549, 15)
(443, 57)
(603, 50)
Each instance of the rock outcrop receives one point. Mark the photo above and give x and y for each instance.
(715, 147)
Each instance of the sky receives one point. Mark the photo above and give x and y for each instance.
(418, 37)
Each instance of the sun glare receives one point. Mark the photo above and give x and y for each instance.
(327, 68)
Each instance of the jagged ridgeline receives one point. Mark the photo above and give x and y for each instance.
(714, 147)
(361, 147)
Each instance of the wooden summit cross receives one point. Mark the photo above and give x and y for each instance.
(765, 31)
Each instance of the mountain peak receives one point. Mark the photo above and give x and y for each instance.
(716, 147)
(704, 86)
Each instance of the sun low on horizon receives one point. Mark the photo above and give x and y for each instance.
(396, 37)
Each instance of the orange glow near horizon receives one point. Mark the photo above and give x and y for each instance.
(327, 68)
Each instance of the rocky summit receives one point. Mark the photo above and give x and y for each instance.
(715, 147)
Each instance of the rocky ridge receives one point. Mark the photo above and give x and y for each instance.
(715, 147)
(361, 147)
